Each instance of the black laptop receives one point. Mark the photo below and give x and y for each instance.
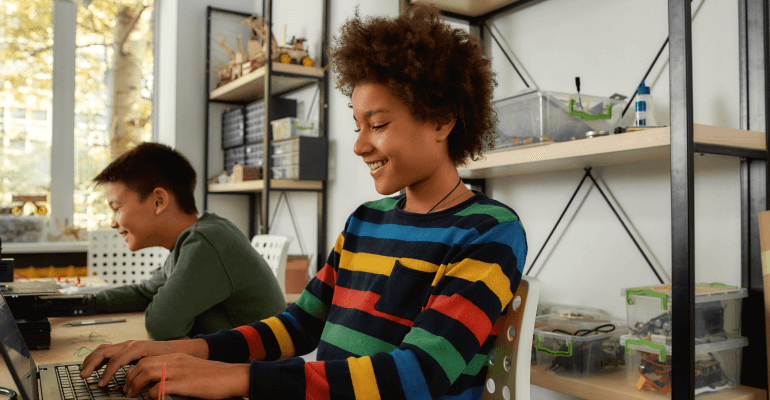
(60, 381)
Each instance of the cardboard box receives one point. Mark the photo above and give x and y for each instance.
(296, 272)
(241, 173)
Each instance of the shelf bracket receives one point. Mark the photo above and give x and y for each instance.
(588, 175)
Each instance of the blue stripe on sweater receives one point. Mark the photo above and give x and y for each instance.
(293, 320)
(410, 373)
(447, 236)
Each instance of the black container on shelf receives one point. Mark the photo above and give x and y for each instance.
(301, 157)
(233, 128)
(235, 155)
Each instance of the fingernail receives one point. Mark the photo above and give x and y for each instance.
(101, 382)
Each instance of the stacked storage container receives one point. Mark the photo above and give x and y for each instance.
(718, 341)
(243, 131)
(233, 138)
(580, 342)
(298, 152)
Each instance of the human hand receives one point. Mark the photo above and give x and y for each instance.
(118, 355)
(188, 376)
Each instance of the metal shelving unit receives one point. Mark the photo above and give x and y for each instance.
(271, 80)
(682, 145)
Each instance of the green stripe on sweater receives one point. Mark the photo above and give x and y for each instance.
(382, 205)
(499, 213)
(312, 305)
(476, 364)
(353, 341)
(440, 349)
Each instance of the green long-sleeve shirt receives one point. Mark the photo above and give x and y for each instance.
(213, 279)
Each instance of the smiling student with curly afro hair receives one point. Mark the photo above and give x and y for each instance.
(408, 303)
(438, 71)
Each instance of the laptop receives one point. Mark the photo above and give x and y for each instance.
(59, 381)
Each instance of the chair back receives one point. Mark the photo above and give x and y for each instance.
(511, 357)
(110, 259)
(275, 250)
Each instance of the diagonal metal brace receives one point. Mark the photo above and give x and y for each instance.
(588, 175)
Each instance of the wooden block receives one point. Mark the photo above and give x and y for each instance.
(296, 273)
(242, 174)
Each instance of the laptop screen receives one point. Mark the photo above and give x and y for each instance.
(16, 355)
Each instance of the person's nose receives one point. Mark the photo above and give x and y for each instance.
(362, 145)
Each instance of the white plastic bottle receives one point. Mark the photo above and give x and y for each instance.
(645, 110)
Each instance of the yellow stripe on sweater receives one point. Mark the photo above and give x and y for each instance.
(282, 335)
(382, 265)
(491, 274)
(362, 375)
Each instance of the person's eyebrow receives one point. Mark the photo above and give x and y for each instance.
(370, 113)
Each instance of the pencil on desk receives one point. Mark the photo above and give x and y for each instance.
(97, 321)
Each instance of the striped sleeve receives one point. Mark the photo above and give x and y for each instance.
(295, 332)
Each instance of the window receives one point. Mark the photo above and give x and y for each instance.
(112, 59)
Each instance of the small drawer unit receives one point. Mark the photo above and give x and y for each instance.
(236, 155)
(232, 128)
(717, 311)
(307, 159)
(578, 347)
(255, 155)
(717, 364)
(254, 122)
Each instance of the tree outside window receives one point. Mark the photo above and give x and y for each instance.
(114, 65)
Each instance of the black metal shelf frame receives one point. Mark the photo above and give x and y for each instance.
(755, 116)
(259, 201)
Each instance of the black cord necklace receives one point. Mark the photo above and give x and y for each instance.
(447, 195)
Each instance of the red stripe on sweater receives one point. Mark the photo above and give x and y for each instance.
(316, 385)
(498, 326)
(364, 301)
(463, 310)
(256, 348)
(327, 275)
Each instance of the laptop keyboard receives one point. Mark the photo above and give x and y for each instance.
(76, 388)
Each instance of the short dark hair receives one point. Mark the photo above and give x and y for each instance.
(153, 165)
(440, 72)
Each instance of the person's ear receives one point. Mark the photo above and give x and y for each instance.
(161, 199)
(443, 130)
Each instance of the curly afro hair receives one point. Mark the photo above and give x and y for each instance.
(440, 72)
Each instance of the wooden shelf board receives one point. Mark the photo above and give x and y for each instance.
(258, 186)
(616, 387)
(471, 8)
(606, 150)
(251, 86)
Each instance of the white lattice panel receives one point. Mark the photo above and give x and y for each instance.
(110, 259)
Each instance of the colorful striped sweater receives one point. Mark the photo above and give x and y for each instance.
(405, 308)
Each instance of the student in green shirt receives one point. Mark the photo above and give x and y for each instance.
(213, 278)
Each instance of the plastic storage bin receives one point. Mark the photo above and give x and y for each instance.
(537, 117)
(286, 172)
(717, 364)
(580, 348)
(717, 311)
(290, 127)
(285, 146)
(22, 229)
(280, 160)
(572, 312)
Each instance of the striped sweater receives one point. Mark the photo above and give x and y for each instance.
(407, 307)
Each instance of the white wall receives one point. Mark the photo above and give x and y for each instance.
(609, 44)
